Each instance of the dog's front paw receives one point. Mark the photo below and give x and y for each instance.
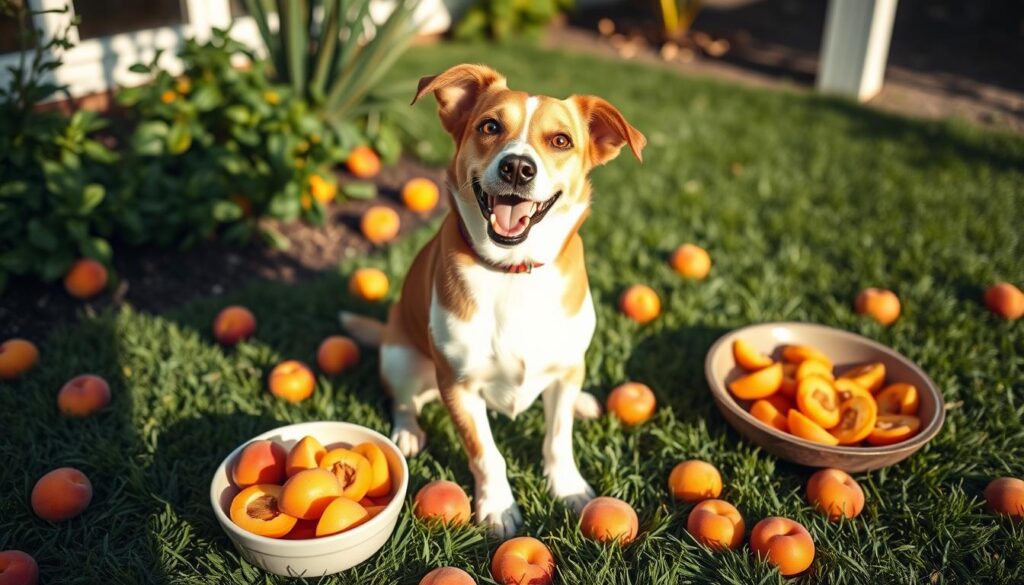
(499, 512)
(570, 487)
(409, 437)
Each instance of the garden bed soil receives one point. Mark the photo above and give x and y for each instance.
(154, 279)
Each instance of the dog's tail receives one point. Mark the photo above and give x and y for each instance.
(366, 330)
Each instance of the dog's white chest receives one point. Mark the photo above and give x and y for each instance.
(520, 337)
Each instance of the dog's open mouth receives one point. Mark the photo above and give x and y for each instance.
(510, 217)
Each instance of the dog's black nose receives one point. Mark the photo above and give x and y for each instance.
(517, 170)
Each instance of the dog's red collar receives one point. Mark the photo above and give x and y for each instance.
(525, 267)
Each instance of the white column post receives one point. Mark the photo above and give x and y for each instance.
(855, 47)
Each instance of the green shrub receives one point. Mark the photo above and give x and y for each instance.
(503, 19)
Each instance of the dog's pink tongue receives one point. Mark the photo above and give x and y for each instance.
(511, 218)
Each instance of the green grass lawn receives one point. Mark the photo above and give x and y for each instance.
(801, 201)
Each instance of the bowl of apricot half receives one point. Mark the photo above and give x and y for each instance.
(822, 397)
(310, 499)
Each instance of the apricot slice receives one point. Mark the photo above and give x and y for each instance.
(857, 418)
(893, 428)
(442, 500)
(695, 480)
(303, 530)
(632, 403)
(307, 493)
(256, 509)
(846, 389)
(341, 515)
(769, 414)
(870, 376)
(760, 384)
(353, 471)
(447, 576)
(1005, 495)
(783, 543)
(523, 560)
(898, 399)
(749, 358)
(607, 519)
(835, 493)
(806, 428)
(380, 481)
(788, 386)
(18, 568)
(808, 368)
(716, 524)
(817, 399)
(306, 454)
(61, 494)
(796, 354)
(260, 462)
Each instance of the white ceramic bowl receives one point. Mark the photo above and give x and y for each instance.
(317, 556)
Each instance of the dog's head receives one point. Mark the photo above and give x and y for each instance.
(519, 177)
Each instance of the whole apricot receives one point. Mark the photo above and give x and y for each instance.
(691, 261)
(716, 524)
(86, 278)
(61, 494)
(308, 493)
(380, 224)
(83, 395)
(632, 403)
(880, 304)
(17, 356)
(444, 501)
(420, 195)
(523, 560)
(260, 462)
(783, 543)
(292, 381)
(694, 480)
(606, 519)
(233, 324)
(306, 454)
(363, 162)
(18, 568)
(369, 284)
(257, 509)
(447, 576)
(341, 515)
(336, 354)
(1005, 300)
(835, 493)
(640, 303)
(1005, 495)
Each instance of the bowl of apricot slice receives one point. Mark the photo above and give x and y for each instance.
(310, 499)
(822, 397)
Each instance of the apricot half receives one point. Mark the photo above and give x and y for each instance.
(694, 480)
(83, 395)
(380, 482)
(898, 399)
(292, 381)
(1005, 495)
(256, 509)
(61, 494)
(759, 384)
(303, 530)
(769, 414)
(796, 354)
(857, 418)
(18, 568)
(353, 472)
(17, 356)
(306, 454)
(716, 524)
(632, 403)
(870, 376)
(893, 428)
(307, 493)
(808, 368)
(817, 399)
(523, 560)
(806, 428)
(846, 389)
(340, 515)
(783, 543)
(835, 493)
(260, 462)
(447, 576)
(607, 519)
(749, 358)
(443, 501)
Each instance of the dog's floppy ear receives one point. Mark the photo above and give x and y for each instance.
(457, 91)
(609, 130)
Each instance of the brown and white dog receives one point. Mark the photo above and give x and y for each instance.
(496, 309)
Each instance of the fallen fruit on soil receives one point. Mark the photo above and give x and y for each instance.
(83, 395)
(17, 356)
(523, 560)
(380, 224)
(695, 480)
(1005, 495)
(691, 261)
(363, 162)
(1005, 300)
(86, 278)
(420, 195)
(632, 403)
(61, 494)
(18, 568)
(880, 304)
(336, 354)
(835, 493)
(447, 576)
(607, 519)
(443, 501)
(233, 324)
(640, 303)
(292, 381)
(369, 284)
(716, 524)
(783, 543)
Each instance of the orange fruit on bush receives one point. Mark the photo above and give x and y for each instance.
(17, 356)
(322, 189)
(369, 284)
(816, 398)
(447, 576)
(857, 416)
(336, 354)
(380, 224)
(444, 501)
(691, 261)
(640, 303)
(380, 482)
(18, 568)
(292, 381)
(306, 454)
(363, 162)
(870, 376)
(893, 428)
(695, 480)
(61, 494)
(420, 194)
(607, 519)
(340, 515)
(83, 395)
(760, 384)
(749, 358)
(308, 493)
(806, 428)
(898, 398)
(86, 278)
(783, 543)
(1005, 300)
(233, 324)
(880, 304)
(260, 461)
(353, 472)
(835, 493)
(632, 403)
(523, 560)
(256, 509)
(716, 524)
(1005, 495)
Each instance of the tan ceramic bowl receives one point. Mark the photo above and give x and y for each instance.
(846, 350)
(313, 557)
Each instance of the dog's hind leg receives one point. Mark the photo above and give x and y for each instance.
(412, 382)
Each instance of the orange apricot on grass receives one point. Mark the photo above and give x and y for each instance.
(769, 414)
(607, 519)
(83, 395)
(18, 568)
(85, 279)
(1005, 495)
(380, 481)
(1005, 300)
(420, 194)
(257, 509)
(716, 524)
(898, 398)
(380, 224)
(893, 428)
(783, 543)
(857, 417)
(353, 471)
(694, 480)
(870, 376)
(749, 358)
(880, 304)
(691, 261)
(523, 560)
(336, 354)
(808, 368)
(835, 493)
(369, 284)
(760, 384)
(363, 162)
(292, 381)
(816, 398)
(306, 454)
(632, 403)
(307, 493)
(340, 515)
(233, 324)
(806, 428)
(444, 501)
(640, 303)
(61, 494)
(447, 576)
(17, 356)
(260, 462)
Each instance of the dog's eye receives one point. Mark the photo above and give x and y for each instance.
(489, 127)
(561, 142)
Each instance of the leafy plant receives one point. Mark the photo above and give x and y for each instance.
(502, 19)
(54, 176)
